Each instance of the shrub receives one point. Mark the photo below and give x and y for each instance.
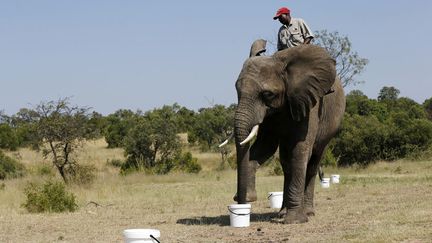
(152, 145)
(115, 163)
(10, 168)
(420, 154)
(117, 127)
(406, 136)
(212, 125)
(8, 137)
(45, 170)
(360, 140)
(163, 166)
(188, 164)
(49, 197)
(82, 174)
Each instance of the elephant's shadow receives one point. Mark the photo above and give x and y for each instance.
(224, 220)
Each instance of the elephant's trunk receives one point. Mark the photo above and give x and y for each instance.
(245, 170)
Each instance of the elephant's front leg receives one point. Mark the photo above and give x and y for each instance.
(263, 148)
(294, 159)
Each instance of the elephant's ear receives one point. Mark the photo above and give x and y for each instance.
(258, 47)
(309, 73)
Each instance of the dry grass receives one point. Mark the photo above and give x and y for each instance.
(388, 202)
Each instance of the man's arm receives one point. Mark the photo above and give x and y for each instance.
(306, 31)
(279, 41)
(279, 45)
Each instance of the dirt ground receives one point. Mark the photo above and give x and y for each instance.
(388, 202)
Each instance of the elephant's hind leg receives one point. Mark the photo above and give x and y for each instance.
(311, 173)
(294, 158)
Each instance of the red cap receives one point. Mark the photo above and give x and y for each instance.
(281, 11)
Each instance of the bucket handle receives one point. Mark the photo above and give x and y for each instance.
(271, 194)
(238, 214)
(154, 238)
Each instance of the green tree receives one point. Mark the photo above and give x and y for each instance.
(348, 62)
(117, 127)
(153, 144)
(60, 129)
(8, 137)
(412, 108)
(353, 99)
(427, 106)
(388, 94)
(10, 168)
(3, 117)
(360, 104)
(213, 125)
(23, 124)
(406, 135)
(388, 129)
(185, 119)
(360, 141)
(97, 124)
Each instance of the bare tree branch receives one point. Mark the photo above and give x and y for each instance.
(348, 63)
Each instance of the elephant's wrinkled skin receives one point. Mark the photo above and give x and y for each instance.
(290, 96)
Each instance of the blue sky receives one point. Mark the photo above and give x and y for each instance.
(128, 54)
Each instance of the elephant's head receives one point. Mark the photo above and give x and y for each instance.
(292, 81)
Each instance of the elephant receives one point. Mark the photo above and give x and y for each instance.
(294, 101)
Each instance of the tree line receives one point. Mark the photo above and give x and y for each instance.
(386, 128)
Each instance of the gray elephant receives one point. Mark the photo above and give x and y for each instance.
(292, 100)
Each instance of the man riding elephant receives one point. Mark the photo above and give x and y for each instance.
(293, 32)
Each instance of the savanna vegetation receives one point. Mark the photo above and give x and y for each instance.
(383, 202)
(163, 168)
(159, 141)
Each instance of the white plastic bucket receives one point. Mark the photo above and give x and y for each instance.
(335, 178)
(141, 235)
(325, 183)
(276, 199)
(239, 215)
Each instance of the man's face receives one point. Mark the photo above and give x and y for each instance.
(285, 19)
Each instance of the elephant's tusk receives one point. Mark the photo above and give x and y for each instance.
(226, 141)
(252, 134)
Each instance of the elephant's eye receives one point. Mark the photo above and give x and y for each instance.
(268, 95)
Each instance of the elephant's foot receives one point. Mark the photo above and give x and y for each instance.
(309, 211)
(279, 217)
(282, 213)
(250, 197)
(291, 216)
(295, 216)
